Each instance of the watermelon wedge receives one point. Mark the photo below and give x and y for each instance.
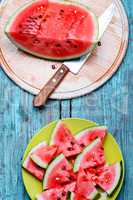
(91, 156)
(43, 155)
(64, 140)
(58, 30)
(53, 194)
(85, 187)
(57, 193)
(109, 179)
(59, 173)
(32, 167)
(75, 196)
(85, 137)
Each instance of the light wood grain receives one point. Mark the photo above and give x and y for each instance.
(32, 73)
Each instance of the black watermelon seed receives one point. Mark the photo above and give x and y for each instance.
(82, 145)
(99, 44)
(58, 45)
(69, 148)
(70, 178)
(40, 16)
(68, 41)
(75, 46)
(63, 168)
(63, 193)
(53, 67)
(72, 143)
(62, 10)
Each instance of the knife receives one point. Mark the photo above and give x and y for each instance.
(73, 66)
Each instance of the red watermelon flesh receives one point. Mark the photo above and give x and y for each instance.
(70, 187)
(31, 167)
(76, 196)
(91, 156)
(43, 155)
(54, 30)
(53, 194)
(85, 137)
(91, 175)
(63, 138)
(34, 169)
(109, 178)
(85, 186)
(59, 173)
(57, 193)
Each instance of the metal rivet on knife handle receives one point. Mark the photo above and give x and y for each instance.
(50, 86)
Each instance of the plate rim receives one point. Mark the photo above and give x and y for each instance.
(27, 150)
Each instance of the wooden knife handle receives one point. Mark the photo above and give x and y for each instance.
(50, 86)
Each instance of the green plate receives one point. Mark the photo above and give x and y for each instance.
(112, 152)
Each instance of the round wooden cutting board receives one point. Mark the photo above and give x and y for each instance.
(31, 73)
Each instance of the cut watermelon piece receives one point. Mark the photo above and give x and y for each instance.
(63, 138)
(91, 156)
(58, 173)
(85, 186)
(85, 137)
(31, 167)
(53, 194)
(43, 155)
(54, 30)
(76, 196)
(70, 187)
(109, 179)
(57, 193)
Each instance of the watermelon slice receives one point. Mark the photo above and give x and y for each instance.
(53, 194)
(91, 156)
(32, 167)
(43, 155)
(85, 137)
(76, 196)
(57, 193)
(85, 187)
(109, 179)
(59, 173)
(58, 30)
(63, 138)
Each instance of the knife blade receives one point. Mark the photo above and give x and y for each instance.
(104, 20)
(72, 66)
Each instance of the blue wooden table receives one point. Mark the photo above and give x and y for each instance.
(111, 105)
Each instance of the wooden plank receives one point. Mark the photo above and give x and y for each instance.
(19, 122)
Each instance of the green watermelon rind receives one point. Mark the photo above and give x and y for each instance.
(38, 161)
(94, 195)
(50, 168)
(95, 39)
(118, 178)
(103, 196)
(52, 142)
(24, 164)
(83, 153)
(82, 133)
